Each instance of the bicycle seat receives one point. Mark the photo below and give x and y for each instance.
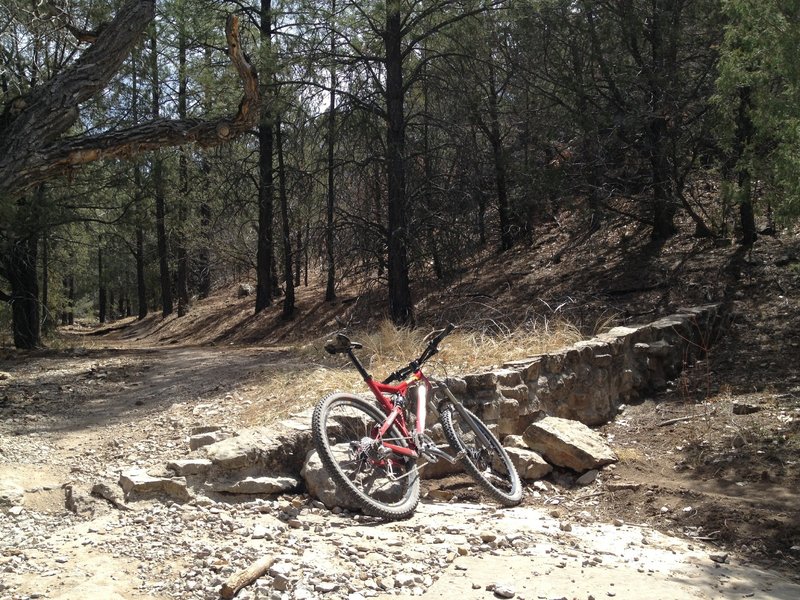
(341, 343)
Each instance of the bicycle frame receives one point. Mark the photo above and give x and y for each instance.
(395, 411)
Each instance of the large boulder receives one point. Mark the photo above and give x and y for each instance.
(321, 486)
(568, 443)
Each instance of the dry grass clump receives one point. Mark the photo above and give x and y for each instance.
(290, 387)
(466, 350)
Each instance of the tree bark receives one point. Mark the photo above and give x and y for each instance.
(183, 175)
(102, 300)
(288, 297)
(499, 163)
(159, 191)
(204, 256)
(744, 136)
(659, 77)
(264, 253)
(21, 271)
(400, 305)
(330, 286)
(47, 319)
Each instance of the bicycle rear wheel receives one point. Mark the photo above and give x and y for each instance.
(484, 458)
(382, 483)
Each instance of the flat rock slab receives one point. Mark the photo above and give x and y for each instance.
(568, 443)
(190, 466)
(139, 482)
(256, 485)
(278, 449)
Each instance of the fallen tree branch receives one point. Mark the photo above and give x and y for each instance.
(245, 577)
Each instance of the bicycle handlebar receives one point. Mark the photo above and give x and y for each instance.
(430, 350)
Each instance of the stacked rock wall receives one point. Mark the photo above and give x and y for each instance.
(589, 380)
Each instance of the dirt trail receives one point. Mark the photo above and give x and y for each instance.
(78, 419)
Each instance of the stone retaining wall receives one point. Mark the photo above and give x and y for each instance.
(588, 381)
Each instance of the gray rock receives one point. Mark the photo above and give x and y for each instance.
(256, 485)
(568, 443)
(503, 590)
(278, 449)
(10, 494)
(189, 466)
(321, 486)
(587, 477)
(206, 439)
(530, 465)
(514, 441)
(78, 501)
(136, 481)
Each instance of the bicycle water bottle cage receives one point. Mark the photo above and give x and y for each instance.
(341, 343)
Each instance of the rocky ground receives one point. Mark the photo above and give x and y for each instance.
(607, 538)
(702, 503)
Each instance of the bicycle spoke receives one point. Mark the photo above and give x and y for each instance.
(384, 484)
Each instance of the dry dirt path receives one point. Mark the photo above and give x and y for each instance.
(78, 419)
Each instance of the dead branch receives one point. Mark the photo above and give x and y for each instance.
(245, 577)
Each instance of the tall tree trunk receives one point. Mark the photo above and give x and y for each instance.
(204, 255)
(305, 255)
(47, 319)
(141, 289)
(288, 298)
(400, 305)
(264, 254)
(68, 314)
(21, 272)
(744, 135)
(427, 160)
(298, 257)
(659, 78)
(158, 186)
(499, 159)
(183, 175)
(101, 285)
(330, 286)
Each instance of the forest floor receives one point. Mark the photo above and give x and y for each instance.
(708, 476)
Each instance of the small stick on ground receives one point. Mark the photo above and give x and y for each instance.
(678, 420)
(245, 577)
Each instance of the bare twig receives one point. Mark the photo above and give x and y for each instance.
(678, 420)
(245, 577)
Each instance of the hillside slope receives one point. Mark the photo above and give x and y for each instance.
(715, 457)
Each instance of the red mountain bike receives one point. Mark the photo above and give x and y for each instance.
(371, 449)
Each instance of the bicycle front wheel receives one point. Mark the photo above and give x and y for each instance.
(345, 429)
(484, 457)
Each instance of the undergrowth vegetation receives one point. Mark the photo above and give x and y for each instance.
(282, 390)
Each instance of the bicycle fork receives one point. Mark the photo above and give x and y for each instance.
(484, 441)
